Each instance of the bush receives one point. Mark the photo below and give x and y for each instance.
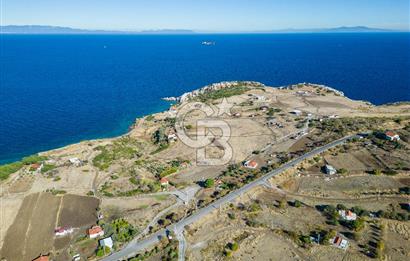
(209, 183)
(221, 93)
(231, 215)
(47, 167)
(7, 169)
(342, 171)
(327, 236)
(305, 239)
(297, 203)
(356, 225)
(123, 231)
(149, 117)
(102, 251)
(33, 159)
(282, 204)
(390, 172)
(232, 246)
(168, 171)
(341, 207)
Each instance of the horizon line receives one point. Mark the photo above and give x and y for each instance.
(74, 30)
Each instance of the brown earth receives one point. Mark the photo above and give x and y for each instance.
(32, 232)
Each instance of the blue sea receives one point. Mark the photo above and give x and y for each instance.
(60, 89)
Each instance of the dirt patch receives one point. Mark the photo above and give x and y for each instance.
(260, 247)
(22, 184)
(398, 237)
(346, 185)
(405, 181)
(78, 211)
(356, 162)
(32, 232)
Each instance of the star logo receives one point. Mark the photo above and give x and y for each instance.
(224, 107)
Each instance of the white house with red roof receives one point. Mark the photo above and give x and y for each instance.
(339, 242)
(164, 182)
(391, 136)
(251, 164)
(347, 215)
(95, 231)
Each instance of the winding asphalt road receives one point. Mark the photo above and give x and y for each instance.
(136, 246)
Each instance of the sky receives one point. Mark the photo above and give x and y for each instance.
(207, 15)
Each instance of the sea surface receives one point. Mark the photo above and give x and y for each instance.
(60, 89)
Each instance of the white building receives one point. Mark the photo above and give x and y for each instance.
(63, 231)
(391, 136)
(296, 112)
(340, 242)
(95, 231)
(172, 137)
(75, 161)
(347, 215)
(330, 170)
(106, 242)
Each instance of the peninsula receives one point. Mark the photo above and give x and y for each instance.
(300, 167)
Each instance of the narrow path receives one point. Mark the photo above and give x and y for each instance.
(181, 246)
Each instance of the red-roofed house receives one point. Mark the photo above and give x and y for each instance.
(392, 136)
(251, 164)
(95, 231)
(347, 215)
(36, 167)
(41, 258)
(340, 242)
(164, 181)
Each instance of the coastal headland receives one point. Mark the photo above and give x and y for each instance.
(211, 142)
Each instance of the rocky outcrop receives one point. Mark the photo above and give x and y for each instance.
(213, 87)
(320, 86)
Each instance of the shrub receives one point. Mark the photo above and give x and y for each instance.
(47, 167)
(149, 117)
(168, 171)
(33, 159)
(342, 171)
(282, 204)
(377, 172)
(123, 231)
(297, 203)
(357, 224)
(209, 183)
(341, 207)
(102, 251)
(390, 172)
(7, 169)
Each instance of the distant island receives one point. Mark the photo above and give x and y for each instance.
(47, 29)
(341, 29)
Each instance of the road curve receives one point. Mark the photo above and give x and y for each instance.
(136, 246)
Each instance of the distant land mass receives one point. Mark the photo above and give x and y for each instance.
(46, 29)
(342, 29)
